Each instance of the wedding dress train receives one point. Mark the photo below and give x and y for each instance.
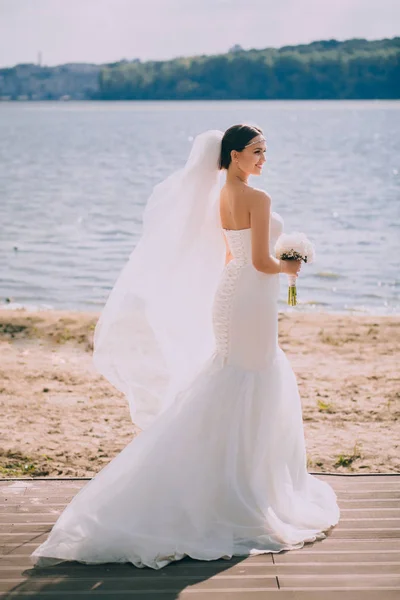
(222, 470)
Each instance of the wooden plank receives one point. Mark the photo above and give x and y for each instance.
(77, 571)
(351, 479)
(347, 500)
(344, 568)
(154, 584)
(46, 514)
(378, 494)
(10, 517)
(55, 488)
(20, 569)
(59, 497)
(338, 557)
(45, 489)
(40, 490)
(366, 533)
(380, 518)
(335, 594)
(328, 544)
(21, 528)
(375, 478)
(186, 563)
(337, 582)
(361, 484)
(365, 503)
(377, 520)
(350, 530)
(10, 484)
(358, 553)
(357, 545)
(28, 501)
(11, 492)
(339, 481)
(33, 501)
(384, 523)
(295, 582)
(354, 529)
(362, 489)
(195, 594)
(27, 548)
(369, 513)
(20, 538)
(15, 567)
(30, 508)
(35, 506)
(344, 482)
(235, 594)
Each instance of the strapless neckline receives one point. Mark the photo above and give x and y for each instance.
(248, 228)
(245, 229)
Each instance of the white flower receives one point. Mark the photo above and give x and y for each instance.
(296, 241)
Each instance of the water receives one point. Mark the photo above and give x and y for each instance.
(74, 178)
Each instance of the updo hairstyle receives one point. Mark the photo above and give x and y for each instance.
(236, 138)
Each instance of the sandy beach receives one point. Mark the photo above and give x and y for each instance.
(61, 418)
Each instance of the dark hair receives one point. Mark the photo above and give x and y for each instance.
(236, 138)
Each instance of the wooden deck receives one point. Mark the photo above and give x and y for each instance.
(359, 560)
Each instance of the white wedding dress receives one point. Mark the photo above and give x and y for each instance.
(222, 470)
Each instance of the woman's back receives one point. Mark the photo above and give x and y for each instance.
(234, 206)
(245, 305)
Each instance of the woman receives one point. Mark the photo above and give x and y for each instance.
(189, 334)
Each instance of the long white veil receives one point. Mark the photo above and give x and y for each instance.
(155, 330)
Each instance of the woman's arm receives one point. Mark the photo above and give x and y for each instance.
(260, 213)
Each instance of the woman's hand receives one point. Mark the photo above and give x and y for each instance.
(291, 267)
(228, 257)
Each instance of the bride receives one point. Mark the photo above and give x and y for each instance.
(190, 334)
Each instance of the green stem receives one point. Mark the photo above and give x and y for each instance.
(292, 295)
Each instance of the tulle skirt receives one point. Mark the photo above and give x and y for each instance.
(221, 472)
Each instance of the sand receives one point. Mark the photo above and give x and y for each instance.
(61, 418)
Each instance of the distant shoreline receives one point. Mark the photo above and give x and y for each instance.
(211, 100)
(321, 70)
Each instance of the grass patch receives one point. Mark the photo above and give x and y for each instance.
(12, 329)
(325, 407)
(16, 464)
(55, 330)
(346, 460)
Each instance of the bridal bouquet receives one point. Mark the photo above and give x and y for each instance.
(294, 246)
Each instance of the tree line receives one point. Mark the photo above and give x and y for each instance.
(353, 69)
(321, 70)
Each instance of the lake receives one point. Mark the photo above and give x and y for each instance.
(75, 176)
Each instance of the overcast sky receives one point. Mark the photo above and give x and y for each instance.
(101, 31)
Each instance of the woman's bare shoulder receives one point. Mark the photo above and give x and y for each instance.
(246, 202)
(257, 197)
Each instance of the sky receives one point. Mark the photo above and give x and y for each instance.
(100, 31)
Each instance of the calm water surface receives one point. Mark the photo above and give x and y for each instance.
(74, 179)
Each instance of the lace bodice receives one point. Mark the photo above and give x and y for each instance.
(239, 240)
